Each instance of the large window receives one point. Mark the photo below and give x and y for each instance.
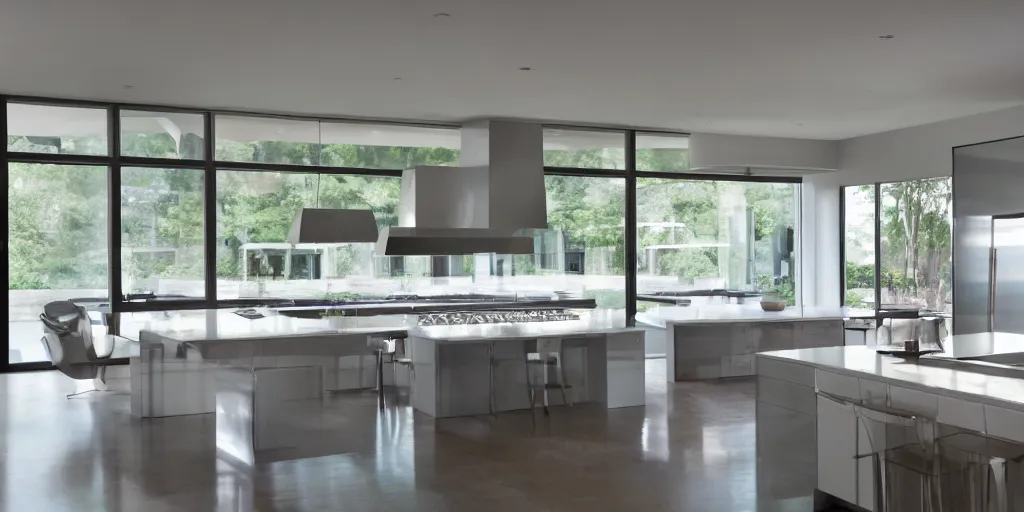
(168, 180)
(57, 245)
(583, 253)
(662, 152)
(59, 130)
(162, 135)
(713, 235)
(255, 210)
(914, 247)
(162, 232)
(584, 149)
(859, 246)
(267, 140)
(375, 146)
(334, 144)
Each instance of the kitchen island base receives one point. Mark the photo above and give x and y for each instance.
(699, 351)
(454, 378)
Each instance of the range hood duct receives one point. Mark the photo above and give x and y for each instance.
(491, 203)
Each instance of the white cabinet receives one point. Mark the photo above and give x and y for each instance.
(837, 384)
(837, 445)
(1004, 423)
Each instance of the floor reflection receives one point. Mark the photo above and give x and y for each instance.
(691, 448)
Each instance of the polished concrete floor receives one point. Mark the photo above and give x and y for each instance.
(692, 448)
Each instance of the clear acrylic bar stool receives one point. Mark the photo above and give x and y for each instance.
(903, 448)
(985, 465)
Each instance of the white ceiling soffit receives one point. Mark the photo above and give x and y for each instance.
(786, 68)
(739, 154)
(56, 121)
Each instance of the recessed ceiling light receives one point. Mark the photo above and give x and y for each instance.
(525, 68)
(886, 36)
(129, 86)
(442, 15)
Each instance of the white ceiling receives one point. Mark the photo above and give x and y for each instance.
(789, 68)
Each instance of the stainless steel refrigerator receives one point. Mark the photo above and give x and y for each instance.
(988, 237)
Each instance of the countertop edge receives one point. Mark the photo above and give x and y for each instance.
(362, 331)
(983, 399)
(703, 321)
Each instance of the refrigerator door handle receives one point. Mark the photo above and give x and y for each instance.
(992, 262)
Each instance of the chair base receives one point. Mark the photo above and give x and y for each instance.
(78, 393)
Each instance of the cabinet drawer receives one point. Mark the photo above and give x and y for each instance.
(963, 414)
(837, 446)
(874, 393)
(786, 394)
(1004, 423)
(912, 400)
(782, 370)
(836, 384)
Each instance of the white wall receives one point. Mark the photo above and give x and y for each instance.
(911, 153)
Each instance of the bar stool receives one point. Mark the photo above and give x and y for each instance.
(546, 355)
(985, 464)
(903, 448)
(383, 347)
(400, 357)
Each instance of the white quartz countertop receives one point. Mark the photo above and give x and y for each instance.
(224, 324)
(733, 313)
(189, 326)
(865, 362)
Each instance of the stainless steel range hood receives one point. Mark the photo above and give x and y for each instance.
(491, 203)
(400, 241)
(332, 225)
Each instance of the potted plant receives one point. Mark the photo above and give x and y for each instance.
(773, 296)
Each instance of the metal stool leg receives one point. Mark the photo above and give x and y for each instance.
(80, 393)
(380, 379)
(491, 362)
(562, 380)
(544, 367)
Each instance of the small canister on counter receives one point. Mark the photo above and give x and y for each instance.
(912, 345)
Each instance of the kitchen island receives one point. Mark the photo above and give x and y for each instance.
(464, 370)
(711, 342)
(181, 352)
(807, 433)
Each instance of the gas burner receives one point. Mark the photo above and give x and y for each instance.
(496, 317)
